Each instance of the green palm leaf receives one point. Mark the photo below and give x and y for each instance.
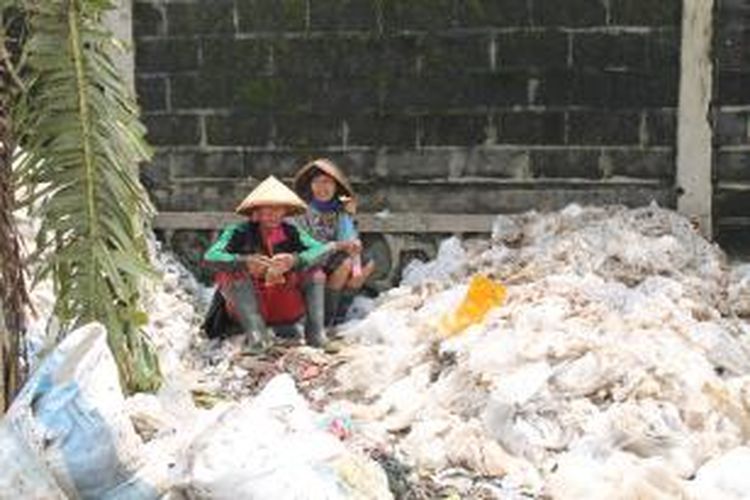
(82, 142)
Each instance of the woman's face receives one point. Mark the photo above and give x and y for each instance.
(269, 217)
(323, 187)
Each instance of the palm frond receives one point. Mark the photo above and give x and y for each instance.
(82, 144)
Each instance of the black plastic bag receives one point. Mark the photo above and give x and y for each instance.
(218, 323)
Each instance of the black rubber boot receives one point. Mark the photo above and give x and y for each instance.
(332, 300)
(315, 334)
(345, 301)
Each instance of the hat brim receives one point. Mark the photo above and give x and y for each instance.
(304, 177)
(249, 208)
(272, 193)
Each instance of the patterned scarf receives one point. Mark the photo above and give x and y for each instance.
(332, 205)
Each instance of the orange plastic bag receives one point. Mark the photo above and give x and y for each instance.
(483, 294)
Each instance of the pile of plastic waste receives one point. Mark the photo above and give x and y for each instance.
(616, 366)
(586, 353)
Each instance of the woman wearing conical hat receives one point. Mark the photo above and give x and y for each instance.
(261, 267)
(329, 218)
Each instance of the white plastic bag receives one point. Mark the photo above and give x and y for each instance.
(451, 259)
(272, 447)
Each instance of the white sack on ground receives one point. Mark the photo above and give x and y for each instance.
(70, 416)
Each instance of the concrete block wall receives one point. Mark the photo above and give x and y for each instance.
(431, 105)
(731, 117)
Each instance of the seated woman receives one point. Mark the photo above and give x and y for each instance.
(329, 218)
(261, 267)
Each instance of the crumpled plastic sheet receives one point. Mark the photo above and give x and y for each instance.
(739, 290)
(450, 260)
(724, 476)
(175, 304)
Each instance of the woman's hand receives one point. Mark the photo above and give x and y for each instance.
(283, 262)
(256, 264)
(349, 204)
(352, 247)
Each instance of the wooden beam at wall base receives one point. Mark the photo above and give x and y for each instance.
(736, 222)
(694, 136)
(367, 222)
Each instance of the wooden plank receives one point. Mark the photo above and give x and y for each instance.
(194, 220)
(368, 222)
(733, 186)
(488, 198)
(425, 223)
(737, 221)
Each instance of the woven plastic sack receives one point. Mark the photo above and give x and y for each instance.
(69, 419)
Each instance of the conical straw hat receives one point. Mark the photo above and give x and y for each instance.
(304, 176)
(271, 192)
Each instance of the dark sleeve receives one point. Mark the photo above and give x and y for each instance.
(219, 258)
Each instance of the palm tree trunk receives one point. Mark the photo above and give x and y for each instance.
(13, 294)
(7, 366)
